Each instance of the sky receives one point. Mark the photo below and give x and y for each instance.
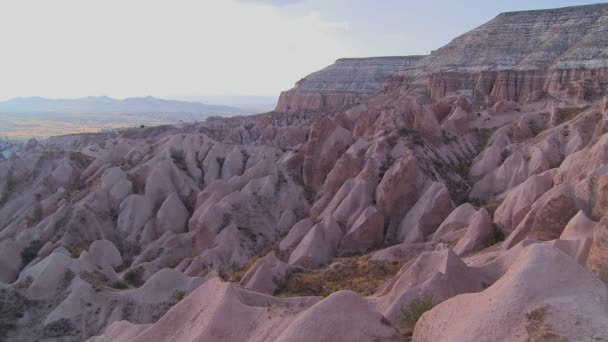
(181, 48)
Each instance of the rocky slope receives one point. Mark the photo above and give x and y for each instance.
(456, 215)
(346, 82)
(523, 56)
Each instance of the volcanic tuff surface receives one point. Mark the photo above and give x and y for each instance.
(563, 38)
(343, 83)
(482, 192)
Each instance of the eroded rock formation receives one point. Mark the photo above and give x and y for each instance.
(473, 179)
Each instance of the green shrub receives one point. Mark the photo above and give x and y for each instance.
(134, 276)
(179, 295)
(414, 311)
(30, 252)
(497, 235)
(120, 285)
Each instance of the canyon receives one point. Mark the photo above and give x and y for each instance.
(459, 196)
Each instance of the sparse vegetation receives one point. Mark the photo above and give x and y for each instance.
(12, 307)
(24, 283)
(179, 160)
(538, 329)
(534, 128)
(120, 285)
(413, 312)
(478, 202)
(497, 235)
(414, 135)
(179, 295)
(567, 114)
(30, 252)
(235, 275)
(68, 275)
(59, 328)
(358, 274)
(134, 277)
(77, 249)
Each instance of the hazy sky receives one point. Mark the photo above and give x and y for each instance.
(121, 48)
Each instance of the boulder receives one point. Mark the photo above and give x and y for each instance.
(267, 274)
(398, 190)
(172, 215)
(327, 141)
(426, 215)
(366, 232)
(103, 252)
(326, 321)
(295, 235)
(519, 200)
(521, 307)
(318, 246)
(547, 217)
(458, 219)
(440, 274)
(479, 233)
(579, 227)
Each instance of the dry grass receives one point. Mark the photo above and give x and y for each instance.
(538, 329)
(76, 249)
(567, 114)
(413, 312)
(236, 274)
(358, 274)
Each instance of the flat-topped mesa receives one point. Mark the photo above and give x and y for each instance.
(524, 55)
(347, 81)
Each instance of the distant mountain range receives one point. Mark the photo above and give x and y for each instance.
(106, 105)
(249, 103)
(26, 117)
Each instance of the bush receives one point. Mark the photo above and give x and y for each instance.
(30, 252)
(179, 295)
(414, 311)
(497, 235)
(133, 277)
(68, 275)
(120, 285)
(357, 274)
(478, 202)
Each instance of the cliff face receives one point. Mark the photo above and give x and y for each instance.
(564, 38)
(520, 85)
(346, 82)
(523, 56)
(517, 56)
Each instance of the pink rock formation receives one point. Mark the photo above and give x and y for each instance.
(520, 306)
(123, 235)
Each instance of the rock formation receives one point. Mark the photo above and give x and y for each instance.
(460, 196)
(346, 82)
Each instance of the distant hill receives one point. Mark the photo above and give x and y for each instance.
(250, 103)
(105, 105)
(26, 117)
